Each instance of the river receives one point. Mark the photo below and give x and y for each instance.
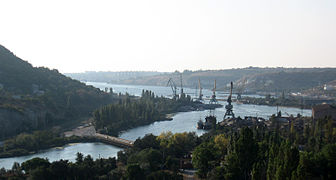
(68, 152)
(158, 90)
(182, 122)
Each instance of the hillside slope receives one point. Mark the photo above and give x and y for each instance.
(36, 98)
(290, 80)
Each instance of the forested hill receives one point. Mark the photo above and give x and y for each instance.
(36, 98)
(251, 79)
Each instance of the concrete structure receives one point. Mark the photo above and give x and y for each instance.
(324, 110)
(114, 140)
(88, 130)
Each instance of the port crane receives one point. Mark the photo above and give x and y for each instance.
(200, 96)
(182, 94)
(241, 88)
(213, 97)
(173, 87)
(229, 106)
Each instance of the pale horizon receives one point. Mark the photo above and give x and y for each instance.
(164, 36)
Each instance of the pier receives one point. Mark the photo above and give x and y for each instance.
(114, 140)
(88, 130)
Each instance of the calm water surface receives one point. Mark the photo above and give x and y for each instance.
(186, 121)
(159, 90)
(182, 122)
(68, 152)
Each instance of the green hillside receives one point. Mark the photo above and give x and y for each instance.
(36, 98)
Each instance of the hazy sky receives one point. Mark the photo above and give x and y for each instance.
(76, 36)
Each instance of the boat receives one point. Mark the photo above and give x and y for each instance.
(200, 124)
(210, 122)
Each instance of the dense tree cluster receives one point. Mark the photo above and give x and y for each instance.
(224, 153)
(261, 153)
(130, 112)
(83, 168)
(158, 157)
(152, 158)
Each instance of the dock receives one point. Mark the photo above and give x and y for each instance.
(114, 140)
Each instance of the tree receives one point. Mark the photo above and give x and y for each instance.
(79, 158)
(233, 170)
(35, 163)
(148, 141)
(243, 157)
(134, 172)
(16, 168)
(59, 169)
(221, 144)
(202, 158)
(159, 175)
(148, 159)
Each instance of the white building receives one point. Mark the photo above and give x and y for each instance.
(328, 87)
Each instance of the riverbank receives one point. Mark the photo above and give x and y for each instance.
(67, 152)
(290, 102)
(198, 106)
(84, 133)
(27, 144)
